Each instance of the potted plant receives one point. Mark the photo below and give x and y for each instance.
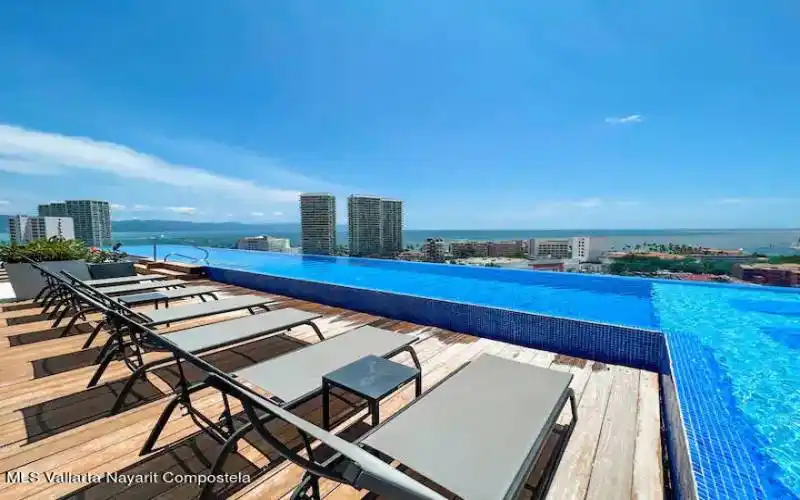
(55, 254)
(109, 263)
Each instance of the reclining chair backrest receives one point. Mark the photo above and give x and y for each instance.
(364, 470)
(97, 298)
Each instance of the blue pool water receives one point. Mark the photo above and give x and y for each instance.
(734, 350)
(741, 348)
(626, 302)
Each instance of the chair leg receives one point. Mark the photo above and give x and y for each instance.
(160, 424)
(301, 492)
(129, 386)
(102, 368)
(63, 315)
(111, 341)
(228, 448)
(164, 417)
(94, 334)
(71, 324)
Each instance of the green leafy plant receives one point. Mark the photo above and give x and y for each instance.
(99, 256)
(51, 250)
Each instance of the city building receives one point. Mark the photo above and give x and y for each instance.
(768, 274)
(364, 223)
(466, 249)
(578, 247)
(433, 250)
(391, 227)
(558, 265)
(411, 256)
(24, 229)
(318, 223)
(264, 244)
(505, 249)
(91, 218)
(55, 209)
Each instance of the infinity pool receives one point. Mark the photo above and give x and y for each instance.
(735, 350)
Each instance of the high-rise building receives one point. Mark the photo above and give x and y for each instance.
(364, 225)
(263, 243)
(54, 209)
(318, 223)
(92, 220)
(391, 227)
(24, 229)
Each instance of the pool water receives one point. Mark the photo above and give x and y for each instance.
(751, 338)
(625, 303)
(735, 350)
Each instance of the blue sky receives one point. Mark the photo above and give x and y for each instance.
(511, 114)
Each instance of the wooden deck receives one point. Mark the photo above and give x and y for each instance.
(50, 422)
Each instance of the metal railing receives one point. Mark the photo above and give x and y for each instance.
(192, 260)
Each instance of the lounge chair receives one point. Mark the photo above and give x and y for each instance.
(125, 280)
(292, 378)
(142, 287)
(203, 339)
(478, 434)
(67, 301)
(90, 299)
(167, 295)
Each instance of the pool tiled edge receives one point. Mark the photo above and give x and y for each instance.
(636, 348)
(707, 457)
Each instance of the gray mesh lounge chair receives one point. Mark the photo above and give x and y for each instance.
(453, 424)
(125, 280)
(142, 287)
(158, 317)
(292, 379)
(203, 339)
(167, 295)
(68, 301)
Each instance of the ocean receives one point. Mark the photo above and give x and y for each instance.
(768, 241)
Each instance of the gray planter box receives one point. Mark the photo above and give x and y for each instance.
(111, 270)
(27, 281)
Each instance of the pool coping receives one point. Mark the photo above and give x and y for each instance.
(682, 463)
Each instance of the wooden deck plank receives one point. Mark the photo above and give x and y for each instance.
(571, 480)
(611, 480)
(648, 479)
(101, 443)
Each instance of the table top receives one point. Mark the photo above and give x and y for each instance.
(371, 376)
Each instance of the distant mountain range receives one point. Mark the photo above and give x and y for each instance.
(160, 226)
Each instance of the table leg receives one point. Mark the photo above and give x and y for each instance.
(418, 385)
(326, 417)
(374, 410)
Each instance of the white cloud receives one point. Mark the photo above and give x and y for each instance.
(731, 201)
(587, 205)
(116, 206)
(34, 153)
(141, 208)
(621, 120)
(182, 210)
(5, 202)
(277, 214)
(257, 214)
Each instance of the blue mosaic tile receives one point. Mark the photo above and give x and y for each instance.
(723, 447)
(612, 344)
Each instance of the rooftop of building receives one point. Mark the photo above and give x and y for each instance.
(52, 423)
